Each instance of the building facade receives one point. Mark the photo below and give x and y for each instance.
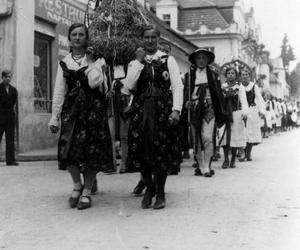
(223, 26)
(278, 84)
(33, 39)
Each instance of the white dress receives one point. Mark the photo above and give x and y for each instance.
(255, 102)
(238, 136)
(278, 114)
(269, 114)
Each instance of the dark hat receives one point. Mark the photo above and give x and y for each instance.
(209, 54)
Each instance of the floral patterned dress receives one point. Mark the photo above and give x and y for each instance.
(152, 139)
(85, 139)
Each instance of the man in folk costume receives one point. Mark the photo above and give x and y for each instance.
(204, 99)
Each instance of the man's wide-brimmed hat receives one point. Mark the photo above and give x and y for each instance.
(209, 54)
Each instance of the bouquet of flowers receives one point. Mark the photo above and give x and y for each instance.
(115, 30)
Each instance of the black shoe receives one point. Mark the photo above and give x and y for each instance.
(212, 172)
(198, 172)
(13, 163)
(225, 164)
(84, 205)
(73, 201)
(139, 188)
(160, 202)
(195, 165)
(208, 174)
(214, 158)
(232, 165)
(245, 159)
(242, 159)
(94, 189)
(147, 200)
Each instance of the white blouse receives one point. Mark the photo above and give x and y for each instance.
(259, 100)
(96, 78)
(135, 68)
(201, 78)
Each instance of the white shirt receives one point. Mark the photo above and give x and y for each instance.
(96, 78)
(201, 78)
(259, 100)
(284, 110)
(135, 68)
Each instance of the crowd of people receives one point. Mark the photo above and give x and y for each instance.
(156, 114)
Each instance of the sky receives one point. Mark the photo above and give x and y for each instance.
(277, 17)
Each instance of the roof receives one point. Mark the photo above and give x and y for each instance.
(224, 3)
(184, 4)
(227, 13)
(172, 36)
(193, 18)
(205, 3)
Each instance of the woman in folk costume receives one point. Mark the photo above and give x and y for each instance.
(269, 115)
(278, 111)
(154, 78)
(236, 100)
(206, 104)
(256, 109)
(263, 121)
(80, 106)
(274, 113)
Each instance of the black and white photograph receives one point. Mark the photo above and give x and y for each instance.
(149, 124)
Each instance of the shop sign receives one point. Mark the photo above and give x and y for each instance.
(60, 11)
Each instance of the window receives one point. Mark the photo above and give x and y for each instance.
(167, 19)
(42, 73)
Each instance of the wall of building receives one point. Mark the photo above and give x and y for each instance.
(276, 90)
(32, 19)
(239, 17)
(264, 69)
(278, 69)
(7, 40)
(169, 7)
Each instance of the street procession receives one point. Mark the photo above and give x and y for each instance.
(147, 105)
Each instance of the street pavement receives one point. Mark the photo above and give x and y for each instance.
(255, 206)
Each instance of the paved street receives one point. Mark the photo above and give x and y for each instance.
(256, 206)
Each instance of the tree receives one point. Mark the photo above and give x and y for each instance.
(287, 53)
(294, 81)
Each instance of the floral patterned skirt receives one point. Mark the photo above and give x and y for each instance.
(85, 140)
(153, 142)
